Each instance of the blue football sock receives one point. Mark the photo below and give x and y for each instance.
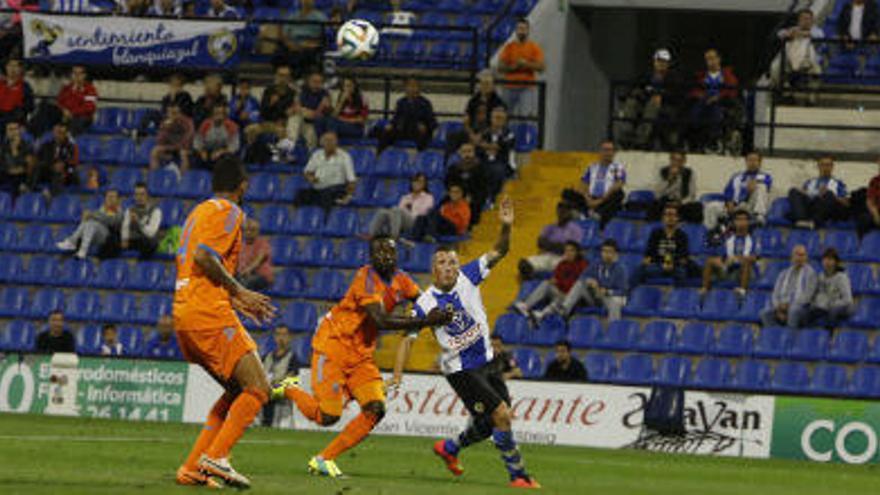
(451, 446)
(509, 453)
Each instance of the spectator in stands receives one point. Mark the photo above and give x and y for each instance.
(16, 159)
(279, 364)
(56, 338)
(748, 190)
(174, 139)
(176, 95)
(391, 222)
(413, 119)
(301, 42)
(452, 218)
(398, 19)
(667, 253)
(520, 62)
(503, 363)
(497, 152)
(471, 175)
(802, 62)
(821, 199)
(604, 284)
(794, 290)
(314, 102)
(94, 180)
(867, 210)
(552, 241)
(98, 229)
(78, 101)
(110, 344)
(220, 10)
(133, 8)
(476, 114)
(832, 303)
(140, 223)
(652, 108)
(735, 259)
(330, 171)
(163, 345)
(601, 190)
(166, 8)
(565, 368)
(715, 102)
(212, 95)
(857, 22)
(16, 95)
(554, 290)
(279, 110)
(255, 259)
(217, 137)
(351, 111)
(676, 185)
(57, 160)
(244, 108)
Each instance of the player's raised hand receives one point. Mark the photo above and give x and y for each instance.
(505, 211)
(256, 306)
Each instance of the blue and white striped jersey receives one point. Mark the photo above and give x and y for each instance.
(465, 341)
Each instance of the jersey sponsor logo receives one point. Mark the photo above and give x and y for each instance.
(461, 341)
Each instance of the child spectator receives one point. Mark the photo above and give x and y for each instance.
(163, 345)
(452, 218)
(832, 303)
(469, 173)
(391, 222)
(110, 345)
(244, 109)
(566, 273)
(604, 284)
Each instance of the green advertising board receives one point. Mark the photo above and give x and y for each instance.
(826, 430)
(106, 388)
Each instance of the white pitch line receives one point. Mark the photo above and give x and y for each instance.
(61, 438)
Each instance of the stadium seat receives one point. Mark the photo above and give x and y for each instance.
(195, 184)
(12, 269)
(441, 54)
(512, 328)
(13, 301)
(82, 306)
(867, 313)
(809, 238)
(151, 308)
(657, 336)
(35, 238)
(65, 208)
(117, 151)
(327, 285)
(111, 274)
(317, 252)
(409, 51)
(674, 371)
(600, 366)
(291, 187)
(584, 332)
(526, 137)
(162, 182)
(363, 192)
(8, 237)
(718, 305)
(284, 250)
(712, 373)
(262, 187)
(621, 231)
(621, 335)
(76, 273)
(529, 361)
(810, 344)
(862, 278)
(307, 220)
(341, 222)
(141, 155)
(124, 180)
(752, 375)
(790, 377)
(778, 214)
(89, 148)
(418, 258)
(392, 162)
(848, 346)
(18, 335)
(274, 219)
(431, 164)
(109, 120)
(363, 160)
(6, 204)
(132, 340)
(354, 253)
(146, 276)
(769, 242)
(869, 249)
(829, 379)
(846, 242)
(172, 212)
(696, 238)
(552, 329)
(44, 302)
(773, 342)
(735, 341)
(643, 301)
(290, 282)
(29, 207)
(88, 340)
(681, 303)
(636, 369)
(591, 237)
(865, 382)
(639, 240)
(301, 317)
(118, 307)
(770, 274)
(696, 338)
(750, 310)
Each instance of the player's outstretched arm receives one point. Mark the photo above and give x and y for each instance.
(386, 321)
(502, 245)
(252, 304)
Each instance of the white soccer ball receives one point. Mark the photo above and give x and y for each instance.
(357, 39)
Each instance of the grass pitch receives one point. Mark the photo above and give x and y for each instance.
(46, 455)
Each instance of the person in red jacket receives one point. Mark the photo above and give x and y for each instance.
(16, 95)
(554, 290)
(78, 101)
(715, 97)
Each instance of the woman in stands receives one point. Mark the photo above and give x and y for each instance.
(832, 303)
(351, 110)
(391, 222)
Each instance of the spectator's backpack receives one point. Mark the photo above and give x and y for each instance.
(664, 412)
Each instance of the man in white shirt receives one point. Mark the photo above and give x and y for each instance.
(140, 223)
(801, 59)
(330, 171)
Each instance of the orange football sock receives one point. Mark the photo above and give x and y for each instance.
(305, 402)
(353, 434)
(209, 431)
(242, 413)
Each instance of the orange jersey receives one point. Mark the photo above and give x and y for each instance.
(199, 304)
(528, 51)
(347, 330)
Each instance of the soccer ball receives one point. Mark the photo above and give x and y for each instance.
(357, 39)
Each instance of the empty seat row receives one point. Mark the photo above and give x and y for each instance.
(84, 305)
(110, 274)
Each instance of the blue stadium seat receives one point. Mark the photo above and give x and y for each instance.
(696, 238)
(274, 219)
(529, 361)
(681, 303)
(696, 338)
(132, 339)
(591, 237)
(778, 214)
(90, 148)
(734, 340)
(162, 182)
(172, 212)
(769, 242)
(35, 238)
(810, 344)
(291, 187)
(551, 330)
(845, 241)
(6, 204)
(809, 238)
(750, 310)
(288, 283)
(317, 252)
(409, 51)
(117, 151)
(718, 305)
(526, 137)
(13, 301)
(869, 249)
(442, 54)
(262, 187)
(867, 313)
(621, 231)
(674, 371)
(790, 377)
(124, 180)
(643, 301)
(118, 307)
(364, 160)
(65, 208)
(657, 336)
(109, 120)
(88, 340)
(146, 276)
(829, 379)
(712, 373)
(512, 328)
(431, 164)
(111, 274)
(151, 308)
(141, 155)
(284, 250)
(12, 269)
(364, 192)
(301, 317)
(865, 382)
(418, 258)
(773, 342)
(636, 369)
(82, 306)
(326, 285)
(341, 222)
(195, 184)
(770, 274)
(392, 162)
(76, 273)
(621, 335)
(29, 207)
(601, 366)
(44, 302)
(752, 375)
(8, 237)
(307, 220)
(848, 346)
(584, 332)
(862, 278)
(354, 253)
(18, 335)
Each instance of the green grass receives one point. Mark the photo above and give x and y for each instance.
(46, 455)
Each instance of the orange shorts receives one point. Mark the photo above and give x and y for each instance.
(217, 350)
(334, 381)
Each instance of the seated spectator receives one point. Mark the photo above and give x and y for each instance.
(56, 338)
(736, 258)
(301, 41)
(566, 273)
(398, 19)
(217, 137)
(244, 108)
(793, 292)
(94, 181)
(677, 186)
(552, 241)
(176, 96)
(110, 344)
(832, 303)
(57, 161)
(16, 159)
(255, 259)
(748, 190)
(351, 111)
(279, 364)
(140, 223)
(97, 231)
(413, 119)
(280, 113)
(520, 61)
(565, 368)
(212, 95)
(330, 171)
(715, 101)
(133, 8)
(867, 210)
(667, 254)
(174, 140)
(820, 200)
(314, 102)
(78, 101)
(469, 173)
(163, 345)
(219, 10)
(497, 152)
(600, 195)
(652, 108)
(391, 222)
(503, 363)
(603, 285)
(476, 114)
(802, 62)
(166, 8)
(16, 95)
(450, 219)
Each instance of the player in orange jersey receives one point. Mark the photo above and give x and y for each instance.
(209, 332)
(343, 346)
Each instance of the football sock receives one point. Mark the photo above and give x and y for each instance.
(241, 414)
(209, 431)
(304, 402)
(353, 434)
(509, 453)
(477, 430)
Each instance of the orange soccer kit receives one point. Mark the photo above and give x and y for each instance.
(208, 331)
(342, 358)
